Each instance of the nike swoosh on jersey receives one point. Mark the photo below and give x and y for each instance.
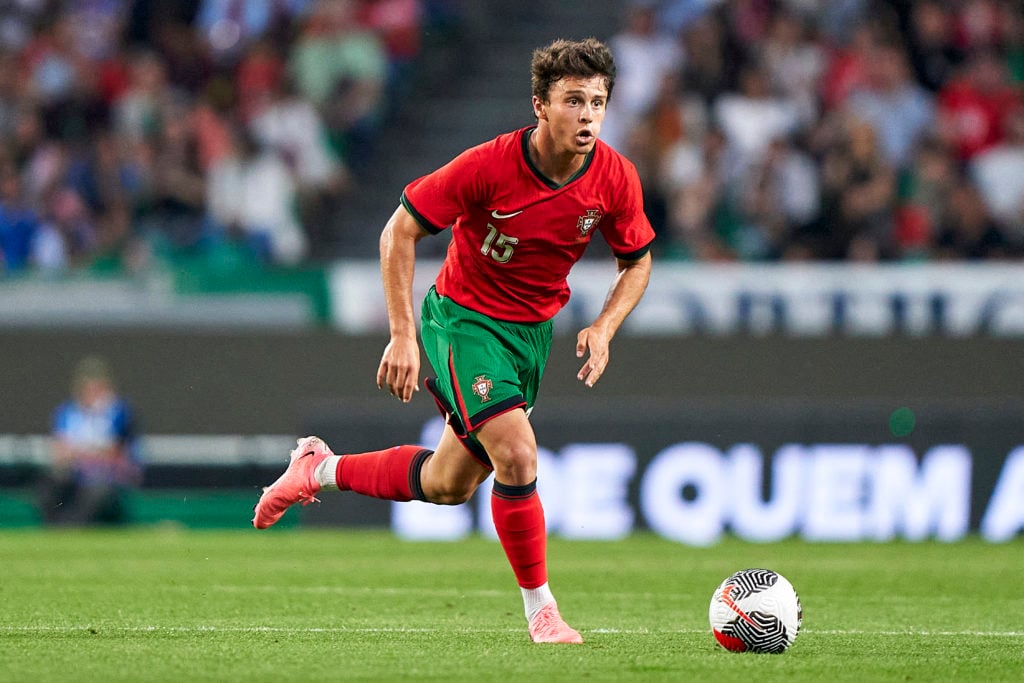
(499, 216)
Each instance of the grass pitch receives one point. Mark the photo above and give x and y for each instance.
(175, 605)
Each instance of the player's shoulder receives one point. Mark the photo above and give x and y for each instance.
(611, 160)
(504, 145)
(613, 170)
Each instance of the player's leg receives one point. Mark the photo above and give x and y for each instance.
(447, 475)
(452, 473)
(519, 520)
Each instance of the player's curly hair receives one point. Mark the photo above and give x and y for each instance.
(574, 58)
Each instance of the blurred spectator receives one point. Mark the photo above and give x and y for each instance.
(399, 23)
(644, 57)
(173, 216)
(251, 199)
(109, 180)
(754, 116)
(291, 125)
(142, 108)
(932, 43)
(11, 93)
(66, 238)
(978, 24)
(969, 231)
(858, 198)
(698, 200)
(229, 26)
(846, 70)
(54, 65)
(999, 175)
(19, 20)
(794, 63)
(924, 197)
(98, 26)
(778, 197)
(341, 67)
(973, 105)
(95, 453)
(259, 74)
(1013, 29)
(18, 223)
(711, 57)
(897, 108)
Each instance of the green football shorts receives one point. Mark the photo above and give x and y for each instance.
(484, 367)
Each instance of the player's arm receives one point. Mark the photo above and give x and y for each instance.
(626, 290)
(400, 364)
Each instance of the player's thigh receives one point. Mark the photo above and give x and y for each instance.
(511, 444)
(452, 473)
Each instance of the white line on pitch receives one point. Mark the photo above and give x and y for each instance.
(402, 629)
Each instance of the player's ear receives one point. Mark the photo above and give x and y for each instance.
(538, 108)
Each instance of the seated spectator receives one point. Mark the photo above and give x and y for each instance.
(777, 198)
(925, 191)
(66, 238)
(794, 63)
(858, 198)
(644, 57)
(341, 67)
(969, 231)
(173, 215)
(972, 107)
(228, 27)
(846, 69)
(292, 126)
(250, 197)
(999, 175)
(898, 109)
(18, 223)
(95, 453)
(754, 116)
(109, 181)
(932, 43)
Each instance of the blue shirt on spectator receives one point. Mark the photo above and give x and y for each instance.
(18, 227)
(96, 428)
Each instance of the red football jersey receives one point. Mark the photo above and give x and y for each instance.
(515, 233)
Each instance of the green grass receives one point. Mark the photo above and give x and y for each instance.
(175, 605)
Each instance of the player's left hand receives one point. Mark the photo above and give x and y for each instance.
(595, 341)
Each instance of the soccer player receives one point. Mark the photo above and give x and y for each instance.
(522, 209)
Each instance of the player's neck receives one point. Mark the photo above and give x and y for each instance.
(558, 166)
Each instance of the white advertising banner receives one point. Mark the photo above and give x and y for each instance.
(808, 300)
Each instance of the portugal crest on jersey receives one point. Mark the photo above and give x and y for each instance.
(587, 222)
(482, 388)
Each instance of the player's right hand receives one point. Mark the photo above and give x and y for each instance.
(399, 368)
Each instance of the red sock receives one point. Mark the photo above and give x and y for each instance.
(391, 474)
(519, 520)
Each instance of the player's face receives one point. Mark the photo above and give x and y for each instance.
(574, 112)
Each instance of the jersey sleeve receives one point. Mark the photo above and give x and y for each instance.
(630, 235)
(437, 199)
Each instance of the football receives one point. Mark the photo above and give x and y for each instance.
(755, 610)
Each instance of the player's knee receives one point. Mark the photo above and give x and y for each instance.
(515, 464)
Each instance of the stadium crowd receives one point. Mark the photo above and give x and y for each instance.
(859, 130)
(135, 129)
(132, 130)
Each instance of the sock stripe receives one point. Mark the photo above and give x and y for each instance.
(415, 485)
(509, 492)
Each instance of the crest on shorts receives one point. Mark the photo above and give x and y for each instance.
(482, 388)
(588, 222)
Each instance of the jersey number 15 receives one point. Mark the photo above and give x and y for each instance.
(498, 245)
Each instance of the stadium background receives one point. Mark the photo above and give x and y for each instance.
(227, 357)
